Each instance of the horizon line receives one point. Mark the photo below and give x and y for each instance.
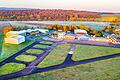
(63, 9)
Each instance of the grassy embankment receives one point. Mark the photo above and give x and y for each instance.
(1, 42)
(57, 56)
(10, 49)
(100, 70)
(86, 51)
(10, 68)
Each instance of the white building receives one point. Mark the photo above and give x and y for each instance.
(80, 31)
(61, 35)
(15, 39)
(81, 34)
(42, 30)
(83, 38)
(16, 33)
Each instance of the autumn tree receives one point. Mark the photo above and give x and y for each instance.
(7, 29)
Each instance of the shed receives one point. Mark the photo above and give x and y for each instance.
(69, 36)
(15, 33)
(15, 39)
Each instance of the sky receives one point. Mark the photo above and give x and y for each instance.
(82, 5)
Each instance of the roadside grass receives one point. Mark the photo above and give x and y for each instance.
(34, 51)
(56, 56)
(86, 51)
(36, 37)
(10, 68)
(25, 58)
(100, 70)
(1, 42)
(41, 46)
(46, 42)
(10, 49)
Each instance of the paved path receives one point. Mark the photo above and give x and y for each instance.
(12, 58)
(73, 63)
(31, 66)
(92, 43)
(96, 43)
(29, 69)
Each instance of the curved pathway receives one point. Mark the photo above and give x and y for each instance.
(31, 66)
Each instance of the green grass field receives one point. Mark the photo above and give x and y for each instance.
(25, 58)
(46, 42)
(1, 42)
(100, 70)
(36, 37)
(41, 46)
(56, 56)
(86, 51)
(10, 49)
(34, 51)
(10, 68)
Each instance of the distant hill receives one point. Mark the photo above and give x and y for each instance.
(48, 14)
(110, 13)
(6, 8)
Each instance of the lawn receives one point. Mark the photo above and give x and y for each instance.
(46, 42)
(100, 70)
(25, 58)
(10, 49)
(85, 52)
(57, 56)
(36, 37)
(1, 41)
(41, 46)
(34, 51)
(10, 68)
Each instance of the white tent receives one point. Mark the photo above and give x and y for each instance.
(42, 30)
(80, 31)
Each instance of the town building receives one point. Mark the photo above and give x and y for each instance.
(36, 31)
(61, 34)
(81, 34)
(83, 38)
(115, 39)
(42, 30)
(69, 36)
(80, 31)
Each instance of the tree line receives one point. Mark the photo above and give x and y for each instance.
(90, 31)
(48, 14)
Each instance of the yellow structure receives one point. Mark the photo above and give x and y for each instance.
(70, 37)
(15, 33)
(109, 18)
